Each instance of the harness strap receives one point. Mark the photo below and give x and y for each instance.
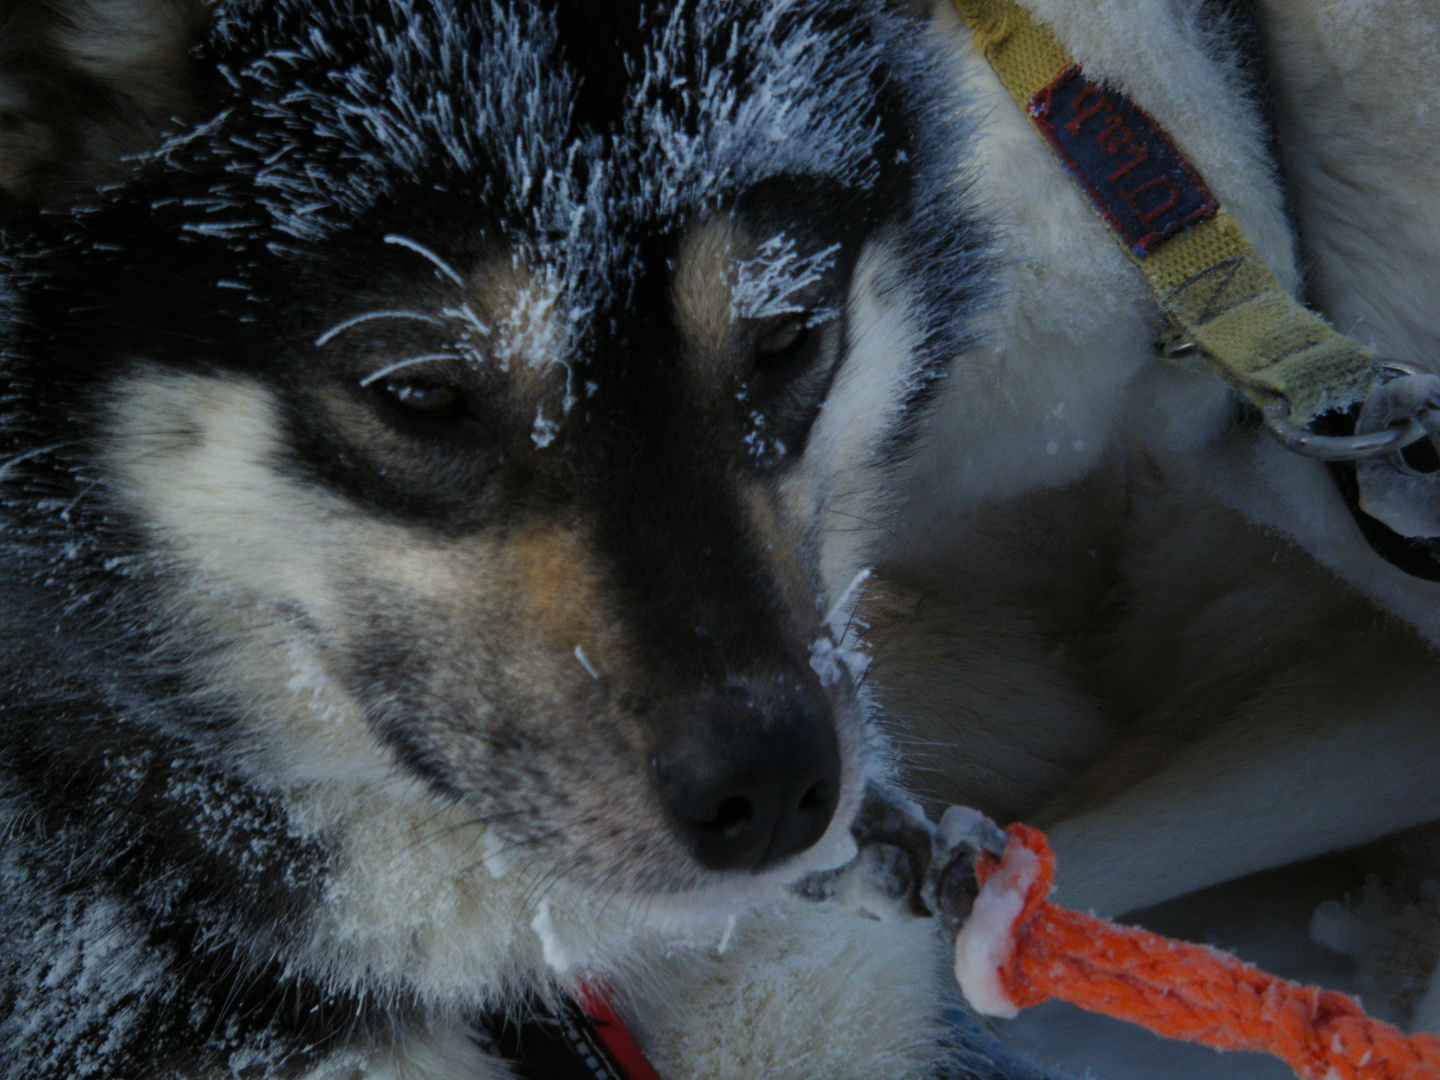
(1201, 268)
(580, 1037)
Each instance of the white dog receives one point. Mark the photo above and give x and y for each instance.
(1123, 608)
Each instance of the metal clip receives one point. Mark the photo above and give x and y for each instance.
(1399, 428)
(1402, 490)
(1178, 348)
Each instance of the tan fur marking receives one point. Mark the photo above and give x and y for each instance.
(518, 305)
(701, 294)
(557, 582)
(776, 535)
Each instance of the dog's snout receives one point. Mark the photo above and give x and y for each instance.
(750, 780)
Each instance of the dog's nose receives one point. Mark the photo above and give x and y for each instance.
(749, 780)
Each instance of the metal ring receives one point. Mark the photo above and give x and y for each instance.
(1179, 348)
(1394, 369)
(1337, 447)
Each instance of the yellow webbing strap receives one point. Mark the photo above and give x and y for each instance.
(1207, 279)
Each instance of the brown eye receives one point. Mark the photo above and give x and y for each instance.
(424, 399)
(781, 341)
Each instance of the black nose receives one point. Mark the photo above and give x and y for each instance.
(750, 779)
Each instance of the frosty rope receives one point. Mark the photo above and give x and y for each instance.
(1018, 950)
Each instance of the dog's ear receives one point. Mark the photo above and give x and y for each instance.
(87, 84)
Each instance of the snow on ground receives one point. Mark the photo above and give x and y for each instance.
(1263, 919)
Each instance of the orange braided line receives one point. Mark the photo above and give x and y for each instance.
(1194, 992)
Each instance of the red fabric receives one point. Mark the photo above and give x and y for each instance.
(594, 1002)
(1194, 992)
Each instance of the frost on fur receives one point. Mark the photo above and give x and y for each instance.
(766, 284)
(333, 114)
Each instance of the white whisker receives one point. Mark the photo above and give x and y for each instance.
(837, 619)
(390, 369)
(425, 253)
(341, 327)
(585, 663)
(10, 463)
(466, 314)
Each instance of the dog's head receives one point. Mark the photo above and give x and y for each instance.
(496, 394)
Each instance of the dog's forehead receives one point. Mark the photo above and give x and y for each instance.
(572, 122)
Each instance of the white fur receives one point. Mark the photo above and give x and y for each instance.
(1261, 791)
(118, 41)
(1037, 403)
(1357, 112)
(1044, 400)
(1226, 765)
(1427, 1013)
(1296, 496)
(446, 1054)
(800, 991)
(840, 472)
(1359, 109)
(264, 544)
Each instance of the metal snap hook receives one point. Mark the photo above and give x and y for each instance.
(1401, 489)
(1358, 447)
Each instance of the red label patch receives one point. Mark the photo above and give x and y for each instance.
(1141, 184)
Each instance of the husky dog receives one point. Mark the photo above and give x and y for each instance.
(432, 463)
(440, 450)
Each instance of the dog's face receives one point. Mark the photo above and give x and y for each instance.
(485, 393)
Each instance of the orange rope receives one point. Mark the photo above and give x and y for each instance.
(1191, 991)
